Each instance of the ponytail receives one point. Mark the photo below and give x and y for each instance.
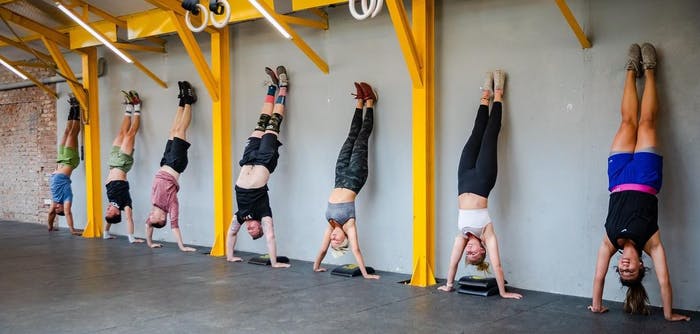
(483, 266)
(637, 300)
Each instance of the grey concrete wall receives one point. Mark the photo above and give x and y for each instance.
(561, 111)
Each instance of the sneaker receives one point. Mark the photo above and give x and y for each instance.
(359, 95)
(282, 74)
(127, 97)
(180, 93)
(188, 93)
(367, 92)
(634, 59)
(648, 56)
(488, 83)
(134, 97)
(73, 101)
(499, 80)
(273, 78)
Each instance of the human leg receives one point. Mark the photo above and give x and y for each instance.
(345, 153)
(471, 148)
(646, 132)
(275, 122)
(626, 137)
(358, 169)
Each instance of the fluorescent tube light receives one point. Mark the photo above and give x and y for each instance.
(270, 18)
(93, 33)
(13, 69)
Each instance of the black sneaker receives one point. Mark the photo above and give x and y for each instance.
(188, 93)
(73, 102)
(179, 86)
(282, 74)
(273, 78)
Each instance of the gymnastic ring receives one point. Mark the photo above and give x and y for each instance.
(378, 9)
(366, 10)
(205, 17)
(227, 15)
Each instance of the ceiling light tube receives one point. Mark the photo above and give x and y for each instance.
(13, 69)
(94, 33)
(269, 17)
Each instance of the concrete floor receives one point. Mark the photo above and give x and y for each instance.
(57, 283)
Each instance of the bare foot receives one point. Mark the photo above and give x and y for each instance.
(76, 232)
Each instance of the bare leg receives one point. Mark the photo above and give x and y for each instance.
(127, 145)
(267, 109)
(626, 137)
(646, 134)
(182, 122)
(123, 129)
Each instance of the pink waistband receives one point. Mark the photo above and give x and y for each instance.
(636, 187)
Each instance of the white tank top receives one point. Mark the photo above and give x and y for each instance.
(473, 221)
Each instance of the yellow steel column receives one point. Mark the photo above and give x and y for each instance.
(91, 140)
(221, 139)
(423, 146)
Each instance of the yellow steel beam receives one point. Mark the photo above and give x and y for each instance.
(200, 64)
(134, 60)
(26, 48)
(406, 40)
(320, 13)
(424, 146)
(80, 38)
(569, 16)
(32, 79)
(323, 25)
(296, 39)
(221, 139)
(91, 140)
(138, 47)
(149, 23)
(307, 4)
(59, 38)
(63, 66)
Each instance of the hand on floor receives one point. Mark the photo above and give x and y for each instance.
(281, 265)
(234, 259)
(368, 276)
(678, 317)
(319, 269)
(599, 309)
(187, 249)
(511, 295)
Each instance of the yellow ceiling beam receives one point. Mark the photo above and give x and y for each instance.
(80, 38)
(139, 47)
(571, 20)
(192, 47)
(296, 39)
(176, 7)
(60, 38)
(323, 25)
(406, 40)
(33, 79)
(63, 66)
(308, 4)
(24, 47)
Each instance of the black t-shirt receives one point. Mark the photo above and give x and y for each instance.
(632, 215)
(118, 193)
(252, 203)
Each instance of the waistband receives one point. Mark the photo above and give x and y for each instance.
(636, 187)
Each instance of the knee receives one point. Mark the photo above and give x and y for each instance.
(647, 123)
(628, 123)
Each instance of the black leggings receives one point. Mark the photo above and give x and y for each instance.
(351, 168)
(478, 165)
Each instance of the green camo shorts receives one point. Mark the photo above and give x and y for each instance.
(68, 156)
(121, 160)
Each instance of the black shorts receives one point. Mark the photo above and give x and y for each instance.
(118, 193)
(175, 155)
(262, 151)
(253, 204)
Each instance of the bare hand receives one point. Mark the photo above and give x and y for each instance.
(319, 269)
(155, 245)
(598, 309)
(368, 276)
(76, 232)
(511, 295)
(234, 259)
(280, 265)
(137, 241)
(446, 288)
(677, 317)
(187, 249)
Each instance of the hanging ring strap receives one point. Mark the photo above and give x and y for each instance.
(218, 7)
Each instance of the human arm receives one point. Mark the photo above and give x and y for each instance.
(180, 244)
(269, 230)
(52, 217)
(149, 237)
(130, 224)
(457, 250)
(495, 259)
(231, 240)
(605, 252)
(324, 249)
(658, 255)
(351, 232)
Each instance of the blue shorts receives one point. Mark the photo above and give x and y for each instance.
(638, 168)
(61, 191)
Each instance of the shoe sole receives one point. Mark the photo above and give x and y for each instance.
(272, 76)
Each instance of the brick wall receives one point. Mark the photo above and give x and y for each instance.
(28, 147)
